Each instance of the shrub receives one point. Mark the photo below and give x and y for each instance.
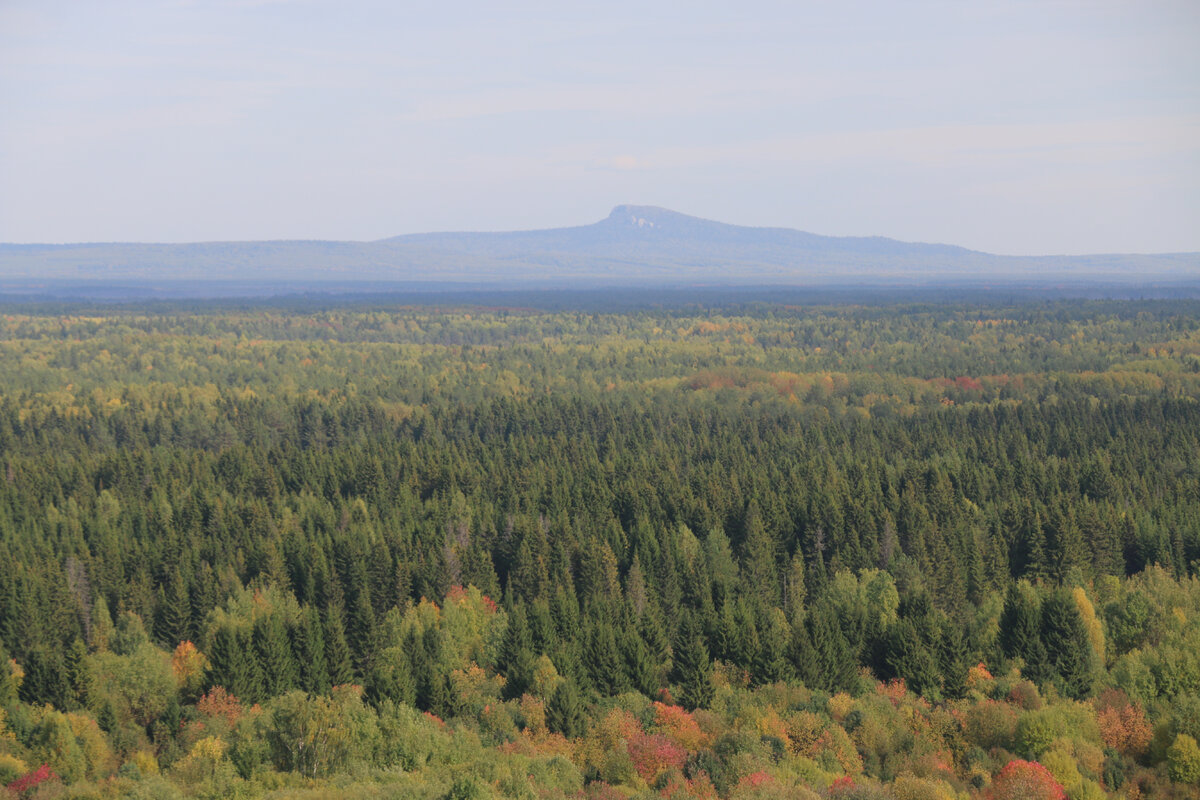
(910, 787)
(42, 774)
(1025, 695)
(11, 768)
(991, 724)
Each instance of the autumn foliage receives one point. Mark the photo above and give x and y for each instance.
(1025, 780)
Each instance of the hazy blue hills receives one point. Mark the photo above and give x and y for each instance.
(634, 245)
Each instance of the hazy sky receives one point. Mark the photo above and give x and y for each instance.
(1012, 127)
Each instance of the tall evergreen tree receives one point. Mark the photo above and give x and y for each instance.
(565, 713)
(1020, 631)
(1065, 639)
(232, 664)
(337, 652)
(274, 652)
(692, 666)
(516, 654)
(308, 649)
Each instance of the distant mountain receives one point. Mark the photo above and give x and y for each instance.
(634, 245)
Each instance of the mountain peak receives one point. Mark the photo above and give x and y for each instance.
(645, 216)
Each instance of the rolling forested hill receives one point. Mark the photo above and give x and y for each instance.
(918, 551)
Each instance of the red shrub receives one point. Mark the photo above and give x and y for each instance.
(220, 703)
(32, 779)
(653, 754)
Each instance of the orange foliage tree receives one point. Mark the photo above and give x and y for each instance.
(1025, 780)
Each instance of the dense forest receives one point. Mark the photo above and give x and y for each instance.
(917, 552)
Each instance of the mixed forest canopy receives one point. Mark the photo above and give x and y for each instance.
(905, 551)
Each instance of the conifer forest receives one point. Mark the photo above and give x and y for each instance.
(919, 551)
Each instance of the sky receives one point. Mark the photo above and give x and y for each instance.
(1039, 127)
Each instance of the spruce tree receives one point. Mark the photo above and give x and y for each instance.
(803, 656)
(516, 655)
(640, 666)
(308, 648)
(233, 666)
(834, 660)
(771, 662)
(173, 617)
(1070, 654)
(274, 652)
(337, 652)
(46, 679)
(361, 634)
(78, 675)
(8, 682)
(603, 660)
(907, 655)
(1020, 631)
(565, 713)
(692, 667)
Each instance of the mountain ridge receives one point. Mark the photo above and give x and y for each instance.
(633, 245)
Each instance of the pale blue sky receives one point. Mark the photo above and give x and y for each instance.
(1012, 127)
